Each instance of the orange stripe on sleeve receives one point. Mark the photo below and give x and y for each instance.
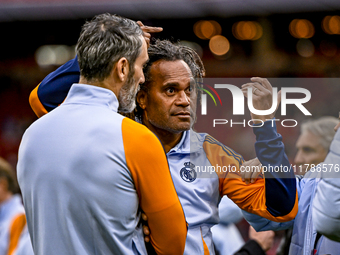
(35, 103)
(15, 231)
(148, 165)
(205, 247)
(251, 197)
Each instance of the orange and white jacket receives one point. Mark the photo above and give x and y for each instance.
(204, 170)
(12, 224)
(86, 172)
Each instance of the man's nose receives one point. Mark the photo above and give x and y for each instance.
(298, 158)
(183, 99)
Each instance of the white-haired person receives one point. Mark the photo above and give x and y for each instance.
(312, 150)
(326, 211)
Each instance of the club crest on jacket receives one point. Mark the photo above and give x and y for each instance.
(188, 172)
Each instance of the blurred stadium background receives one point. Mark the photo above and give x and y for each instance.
(235, 38)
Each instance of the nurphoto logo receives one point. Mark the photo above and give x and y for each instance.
(238, 107)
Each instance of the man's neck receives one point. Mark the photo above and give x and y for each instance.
(106, 84)
(168, 139)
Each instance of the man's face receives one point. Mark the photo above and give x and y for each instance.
(170, 101)
(310, 151)
(127, 94)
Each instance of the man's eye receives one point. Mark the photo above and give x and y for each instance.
(170, 90)
(307, 149)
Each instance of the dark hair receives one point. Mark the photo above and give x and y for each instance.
(168, 51)
(165, 50)
(103, 41)
(7, 172)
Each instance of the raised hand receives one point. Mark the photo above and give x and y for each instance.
(147, 30)
(262, 95)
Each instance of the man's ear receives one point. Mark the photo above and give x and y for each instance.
(122, 67)
(142, 98)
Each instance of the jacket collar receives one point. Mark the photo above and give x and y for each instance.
(89, 94)
(189, 143)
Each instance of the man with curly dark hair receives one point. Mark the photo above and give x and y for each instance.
(166, 104)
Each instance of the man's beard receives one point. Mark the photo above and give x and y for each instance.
(127, 96)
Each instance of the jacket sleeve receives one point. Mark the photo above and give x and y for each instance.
(262, 224)
(326, 204)
(273, 197)
(148, 165)
(53, 89)
(280, 185)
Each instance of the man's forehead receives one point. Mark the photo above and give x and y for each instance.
(308, 138)
(171, 69)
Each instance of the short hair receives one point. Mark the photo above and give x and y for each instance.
(168, 51)
(323, 128)
(103, 41)
(7, 172)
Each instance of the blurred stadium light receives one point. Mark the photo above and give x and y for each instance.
(72, 9)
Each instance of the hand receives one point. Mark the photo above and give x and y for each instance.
(265, 238)
(146, 229)
(250, 170)
(147, 30)
(262, 94)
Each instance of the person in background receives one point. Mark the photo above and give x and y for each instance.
(12, 214)
(313, 143)
(326, 207)
(25, 245)
(305, 239)
(312, 147)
